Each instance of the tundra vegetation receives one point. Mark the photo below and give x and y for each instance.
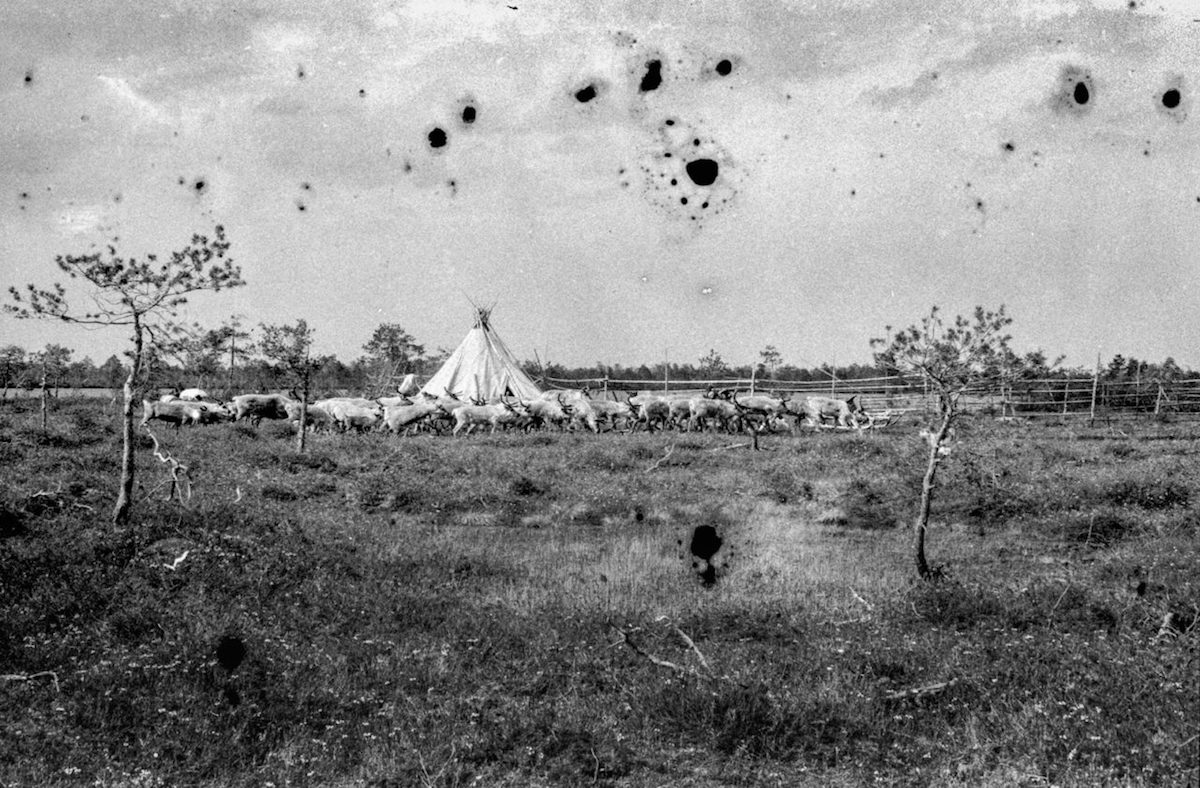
(566, 608)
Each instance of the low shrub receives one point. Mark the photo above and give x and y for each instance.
(1165, 494)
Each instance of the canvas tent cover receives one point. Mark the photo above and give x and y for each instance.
(482, 367)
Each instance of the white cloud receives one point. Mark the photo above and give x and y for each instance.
(146, 111)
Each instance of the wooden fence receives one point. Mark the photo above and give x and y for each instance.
(1089, 397)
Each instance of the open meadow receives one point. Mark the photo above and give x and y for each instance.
(524, 610)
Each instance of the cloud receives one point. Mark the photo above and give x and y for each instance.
(145, 111)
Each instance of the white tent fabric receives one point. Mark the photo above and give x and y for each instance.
(482, 367)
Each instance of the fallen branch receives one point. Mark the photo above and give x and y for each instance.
(664, 458)
(662, 663)
(30, 676)
(730, 446)
(866, 604)
(691, 643)
(920, 693)
(179, 471)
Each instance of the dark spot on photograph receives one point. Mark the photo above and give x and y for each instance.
(703, 172)
(669, 122)
(586, 93)
(306, 186)
(652, 78)
(1009, 147)
(724, 67)
(468, 114)
(200, 185)
(300, 73)
(117, 197)
(705, 542)
(230, 652)
(301, 206)
(1081, 94)
(437, 138)
(1170, 98)
(407, 165)
(362, 93)
(683, 200)
(29, 77)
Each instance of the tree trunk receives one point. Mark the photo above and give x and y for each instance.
(927, 485)
(125, 495)
(303, 430)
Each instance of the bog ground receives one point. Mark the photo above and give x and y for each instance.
(529, 610)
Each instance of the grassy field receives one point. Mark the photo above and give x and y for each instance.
(525, 610)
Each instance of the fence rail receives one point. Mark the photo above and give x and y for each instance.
(1090, 396)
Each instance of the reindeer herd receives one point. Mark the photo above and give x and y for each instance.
(563, 410)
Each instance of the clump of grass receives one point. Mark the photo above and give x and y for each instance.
(1099, 528)
(870, 505)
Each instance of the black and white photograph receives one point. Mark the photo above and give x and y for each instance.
(664, 394)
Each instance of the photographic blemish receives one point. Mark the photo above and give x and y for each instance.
(674, 182)
(979, 205)
(29, 77)
(230, 652)
(652, 78)
(683, 200)
(724, 68)
(300, 71)
(669, 122)
(1075, 93)
(200, 185)
(306, 186)
(585, 94)
(117, 197)
(1170, 99)
(1009, 147)
(703, 172)
(696, 142)
(468, 114)
(853, 192)
(301, 206)
(437, 138)
(362, 93)
(706, 291)
(407, 165)
(453, 184)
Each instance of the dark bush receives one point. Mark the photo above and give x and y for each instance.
(870, 505)
(524, 486)
(293, 463)
(1096, 529)
(274, 492)
(1165, 494)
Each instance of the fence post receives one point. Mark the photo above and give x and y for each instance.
(1095, 385)
(753, 375)
(1066, 395)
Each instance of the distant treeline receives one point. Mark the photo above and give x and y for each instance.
(386, 363)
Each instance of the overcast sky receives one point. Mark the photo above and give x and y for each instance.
(834, 167)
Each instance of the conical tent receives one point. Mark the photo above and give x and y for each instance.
(481, 368)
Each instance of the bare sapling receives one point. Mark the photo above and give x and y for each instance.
(141, 295)
(950, 360)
